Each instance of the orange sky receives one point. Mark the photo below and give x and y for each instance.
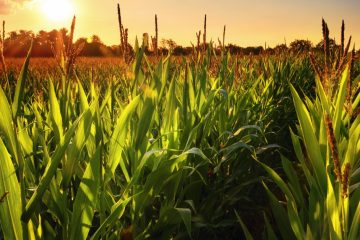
(249, 22)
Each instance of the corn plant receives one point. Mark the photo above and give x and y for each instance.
(321, 193)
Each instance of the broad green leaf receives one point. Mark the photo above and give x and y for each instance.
(145, 119)
(279, 182)
(247, 234)
(84, 104)
(6, 126)
(185, 215)
(20, 85)
(294, 180)
(311, 143)
(117, 211)
(10, 204)
(322, 95)
(269, 230)
(280, 215)
(78, 143)
(55, 114)
(24, 139)
(333, 212)
(339, 105)
(86, 199)
(50, 171)
(170, 107)
(354, 228)
(295, 221)
(118, 140)
(300, 156)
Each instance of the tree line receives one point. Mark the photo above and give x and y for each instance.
(44, 44)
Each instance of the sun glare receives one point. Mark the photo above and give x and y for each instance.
(57, 10)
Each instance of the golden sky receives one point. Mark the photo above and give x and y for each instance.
(249, 22)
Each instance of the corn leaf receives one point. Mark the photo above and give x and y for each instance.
(118, 140)
(50, 171)
(20, 85)
(311, 143)
(86, 198)
(10, 204)
(6, 126)
(117, 211)
(55, 114)
(247, 234)
(78, 143)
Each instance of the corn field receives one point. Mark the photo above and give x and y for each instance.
(211, 146)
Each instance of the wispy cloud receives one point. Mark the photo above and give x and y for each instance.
(5, 7)
(9, 6)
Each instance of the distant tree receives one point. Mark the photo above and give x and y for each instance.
(93, 46)
(42, 45)
(233, 49)
(18, 43)
(332, 45)
(253, 50)
(299, 46)
(281, 48)
(180, 51)
(269, 51)
(13, 35)
(63, 35)
(163, 51)
(96, 39)
(168, 43)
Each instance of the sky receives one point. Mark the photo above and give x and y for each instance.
(248, 22)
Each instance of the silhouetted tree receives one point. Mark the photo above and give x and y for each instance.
(168, 43)
(332, 45)
(299, 46)
(281, 48)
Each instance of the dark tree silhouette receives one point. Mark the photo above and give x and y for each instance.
(299, 46)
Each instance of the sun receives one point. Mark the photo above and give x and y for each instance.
(57, 10)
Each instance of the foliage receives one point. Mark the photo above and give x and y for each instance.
(178, 148)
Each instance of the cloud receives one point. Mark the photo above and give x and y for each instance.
(5, 7)
(9, 6)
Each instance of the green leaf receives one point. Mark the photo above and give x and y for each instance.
(117, 210)
(280, 215)
(311, 143)
(300, 156)
(295, 221)
(145, 119)
(294, 181)
(322, 95)
(279, 182)
(118, 141)
(78, 143)
(185, 215)
(55, 114)
(20, 85)
(244, 228)
(170, 107)
(86, 199)
(269, 230)
(10, 204)
(84, 104)
(6, 126)
(333, 212)
(340, 100)
(50, 171)
(354, 228)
